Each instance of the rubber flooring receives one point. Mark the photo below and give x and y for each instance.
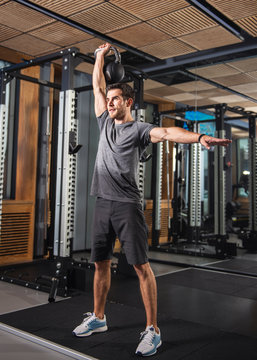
(202, 315)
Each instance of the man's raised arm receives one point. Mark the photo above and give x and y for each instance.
(99, 80)
(183, 136)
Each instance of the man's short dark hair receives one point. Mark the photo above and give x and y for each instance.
(127, 91)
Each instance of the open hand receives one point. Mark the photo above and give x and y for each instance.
(208, 141)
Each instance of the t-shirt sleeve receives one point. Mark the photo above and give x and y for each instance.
(101, 119)
(144, 133)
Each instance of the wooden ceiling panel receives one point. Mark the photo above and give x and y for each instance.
(235, 9)
(139, 35)
(252, 108)
(88, 47)
(254, 95)
(227, 99)
(244, 65)
(85, 67)
(183, 97)
(236, 79)
(22, 18)
(151, 84)
(60, 34)
(29, 45)
(213, 93)
(210, 38)
(168, 48)
(7, 33)
(181, 22)
(252, 74)
(155, 99)
(194, 86)
(67, 7)
(244, 104)
(200, 102)
(149, 9)
(164, 91)
(213, 71)
(105, 18)
(249, 24)
(246, 88)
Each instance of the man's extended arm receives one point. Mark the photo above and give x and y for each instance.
(99, 80)
(183, 136)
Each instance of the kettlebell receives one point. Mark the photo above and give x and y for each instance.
(114, 71)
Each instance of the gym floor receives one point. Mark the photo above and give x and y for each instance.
(14, 297)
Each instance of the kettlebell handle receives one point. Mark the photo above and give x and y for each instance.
(116, 53)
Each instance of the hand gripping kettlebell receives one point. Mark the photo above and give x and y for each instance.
(114, 71)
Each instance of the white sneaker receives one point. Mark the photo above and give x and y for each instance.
(149, 342)
(90, 325)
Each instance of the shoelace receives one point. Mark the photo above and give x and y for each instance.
(147, 336)
(87, 318)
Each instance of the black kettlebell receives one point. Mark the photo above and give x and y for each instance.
(114, 71)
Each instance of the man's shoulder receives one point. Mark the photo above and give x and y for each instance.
(104, 115)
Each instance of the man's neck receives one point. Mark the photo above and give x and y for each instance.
(123, 121)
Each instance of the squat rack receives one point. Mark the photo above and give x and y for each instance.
(219, 238)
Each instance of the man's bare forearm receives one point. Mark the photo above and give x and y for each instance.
(180, 135)
(99, 84)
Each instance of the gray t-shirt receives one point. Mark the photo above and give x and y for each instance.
(116, 166)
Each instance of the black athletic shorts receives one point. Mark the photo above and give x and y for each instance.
(123, 220)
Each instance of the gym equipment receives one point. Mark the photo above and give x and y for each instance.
(209, 232)
(66, 173)
(3, 141)
(114, 71)
(168, 186)
(250, 236)
(195, 189)
(220, 184)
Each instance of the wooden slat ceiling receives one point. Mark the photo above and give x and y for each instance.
(150, 9)
(249, 24)
(235, 9)
(67, 7)
(164, 23)
(162, 28)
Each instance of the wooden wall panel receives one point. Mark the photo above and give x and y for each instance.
(164, 220)
(27, 137)
(16, 243)
(167, 123)
(12, 56)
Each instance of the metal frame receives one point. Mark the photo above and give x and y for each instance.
(138, 114)
(156, 67)
(250, 237)
(195, 189)
(219, 238)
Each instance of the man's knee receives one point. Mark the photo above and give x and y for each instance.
(143, 270)
(102, 265)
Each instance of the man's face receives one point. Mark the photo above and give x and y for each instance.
(116, 105)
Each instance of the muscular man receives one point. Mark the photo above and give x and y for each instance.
(118, 211)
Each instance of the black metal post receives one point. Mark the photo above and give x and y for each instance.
(219, 186)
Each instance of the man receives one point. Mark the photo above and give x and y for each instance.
(118, 211)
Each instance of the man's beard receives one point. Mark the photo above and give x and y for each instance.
(118, 114)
